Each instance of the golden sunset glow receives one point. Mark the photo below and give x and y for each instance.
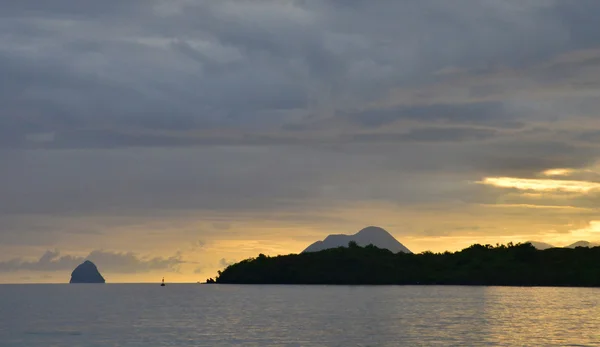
(591, 232)
(544, 185)
(558, 172)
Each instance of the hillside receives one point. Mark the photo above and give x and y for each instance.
(583, 244)
(543, 245)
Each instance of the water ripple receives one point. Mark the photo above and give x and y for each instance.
(215, 315)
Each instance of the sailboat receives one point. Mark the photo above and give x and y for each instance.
(163, 282)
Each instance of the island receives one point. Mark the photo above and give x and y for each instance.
(500, 265)
(87, 272)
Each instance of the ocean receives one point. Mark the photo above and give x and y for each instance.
(238, 315)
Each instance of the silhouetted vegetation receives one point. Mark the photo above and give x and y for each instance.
(515, 265)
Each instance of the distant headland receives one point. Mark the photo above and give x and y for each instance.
(87, 272)
(542, 245)
(501, 265)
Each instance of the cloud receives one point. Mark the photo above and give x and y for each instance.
(542, 184)
(558, 172)
(227, 78)
(223, 263)
(226, 262)
(290, 110)
(492, 114)
(131, 263)
(110, 262)
(221, 225)
(589, 233)
(199, 244)
(428, 135)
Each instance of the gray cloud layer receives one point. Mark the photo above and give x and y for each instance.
(114, 262)
(180, 73)
(138, 106)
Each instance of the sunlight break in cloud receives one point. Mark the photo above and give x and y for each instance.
(591, 232)
(541, 184)
(558, 172)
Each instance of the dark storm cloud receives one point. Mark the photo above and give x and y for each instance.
(218, 178)
(528, 158)
(89, 71)
(492, 114)
(114, 262)
(578, 18)
(258, 178)
(592, 136)
(428, 135)
(65, 8)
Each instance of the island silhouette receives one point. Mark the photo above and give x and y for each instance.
(86, 272)
(503, 265)
(371, 235)
(543, 245)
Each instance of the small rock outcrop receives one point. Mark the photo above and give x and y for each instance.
(87, 272)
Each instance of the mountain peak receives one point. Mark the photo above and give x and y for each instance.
(583, 244)
(543, 245)
(372, 230)
(370, 235)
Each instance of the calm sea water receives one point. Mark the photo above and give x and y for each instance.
(228, 315)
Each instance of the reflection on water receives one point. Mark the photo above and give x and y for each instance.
(560, 316)
(217, 315)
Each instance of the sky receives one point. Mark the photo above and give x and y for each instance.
(174, 137)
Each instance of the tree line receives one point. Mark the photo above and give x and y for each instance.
(504, 265)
